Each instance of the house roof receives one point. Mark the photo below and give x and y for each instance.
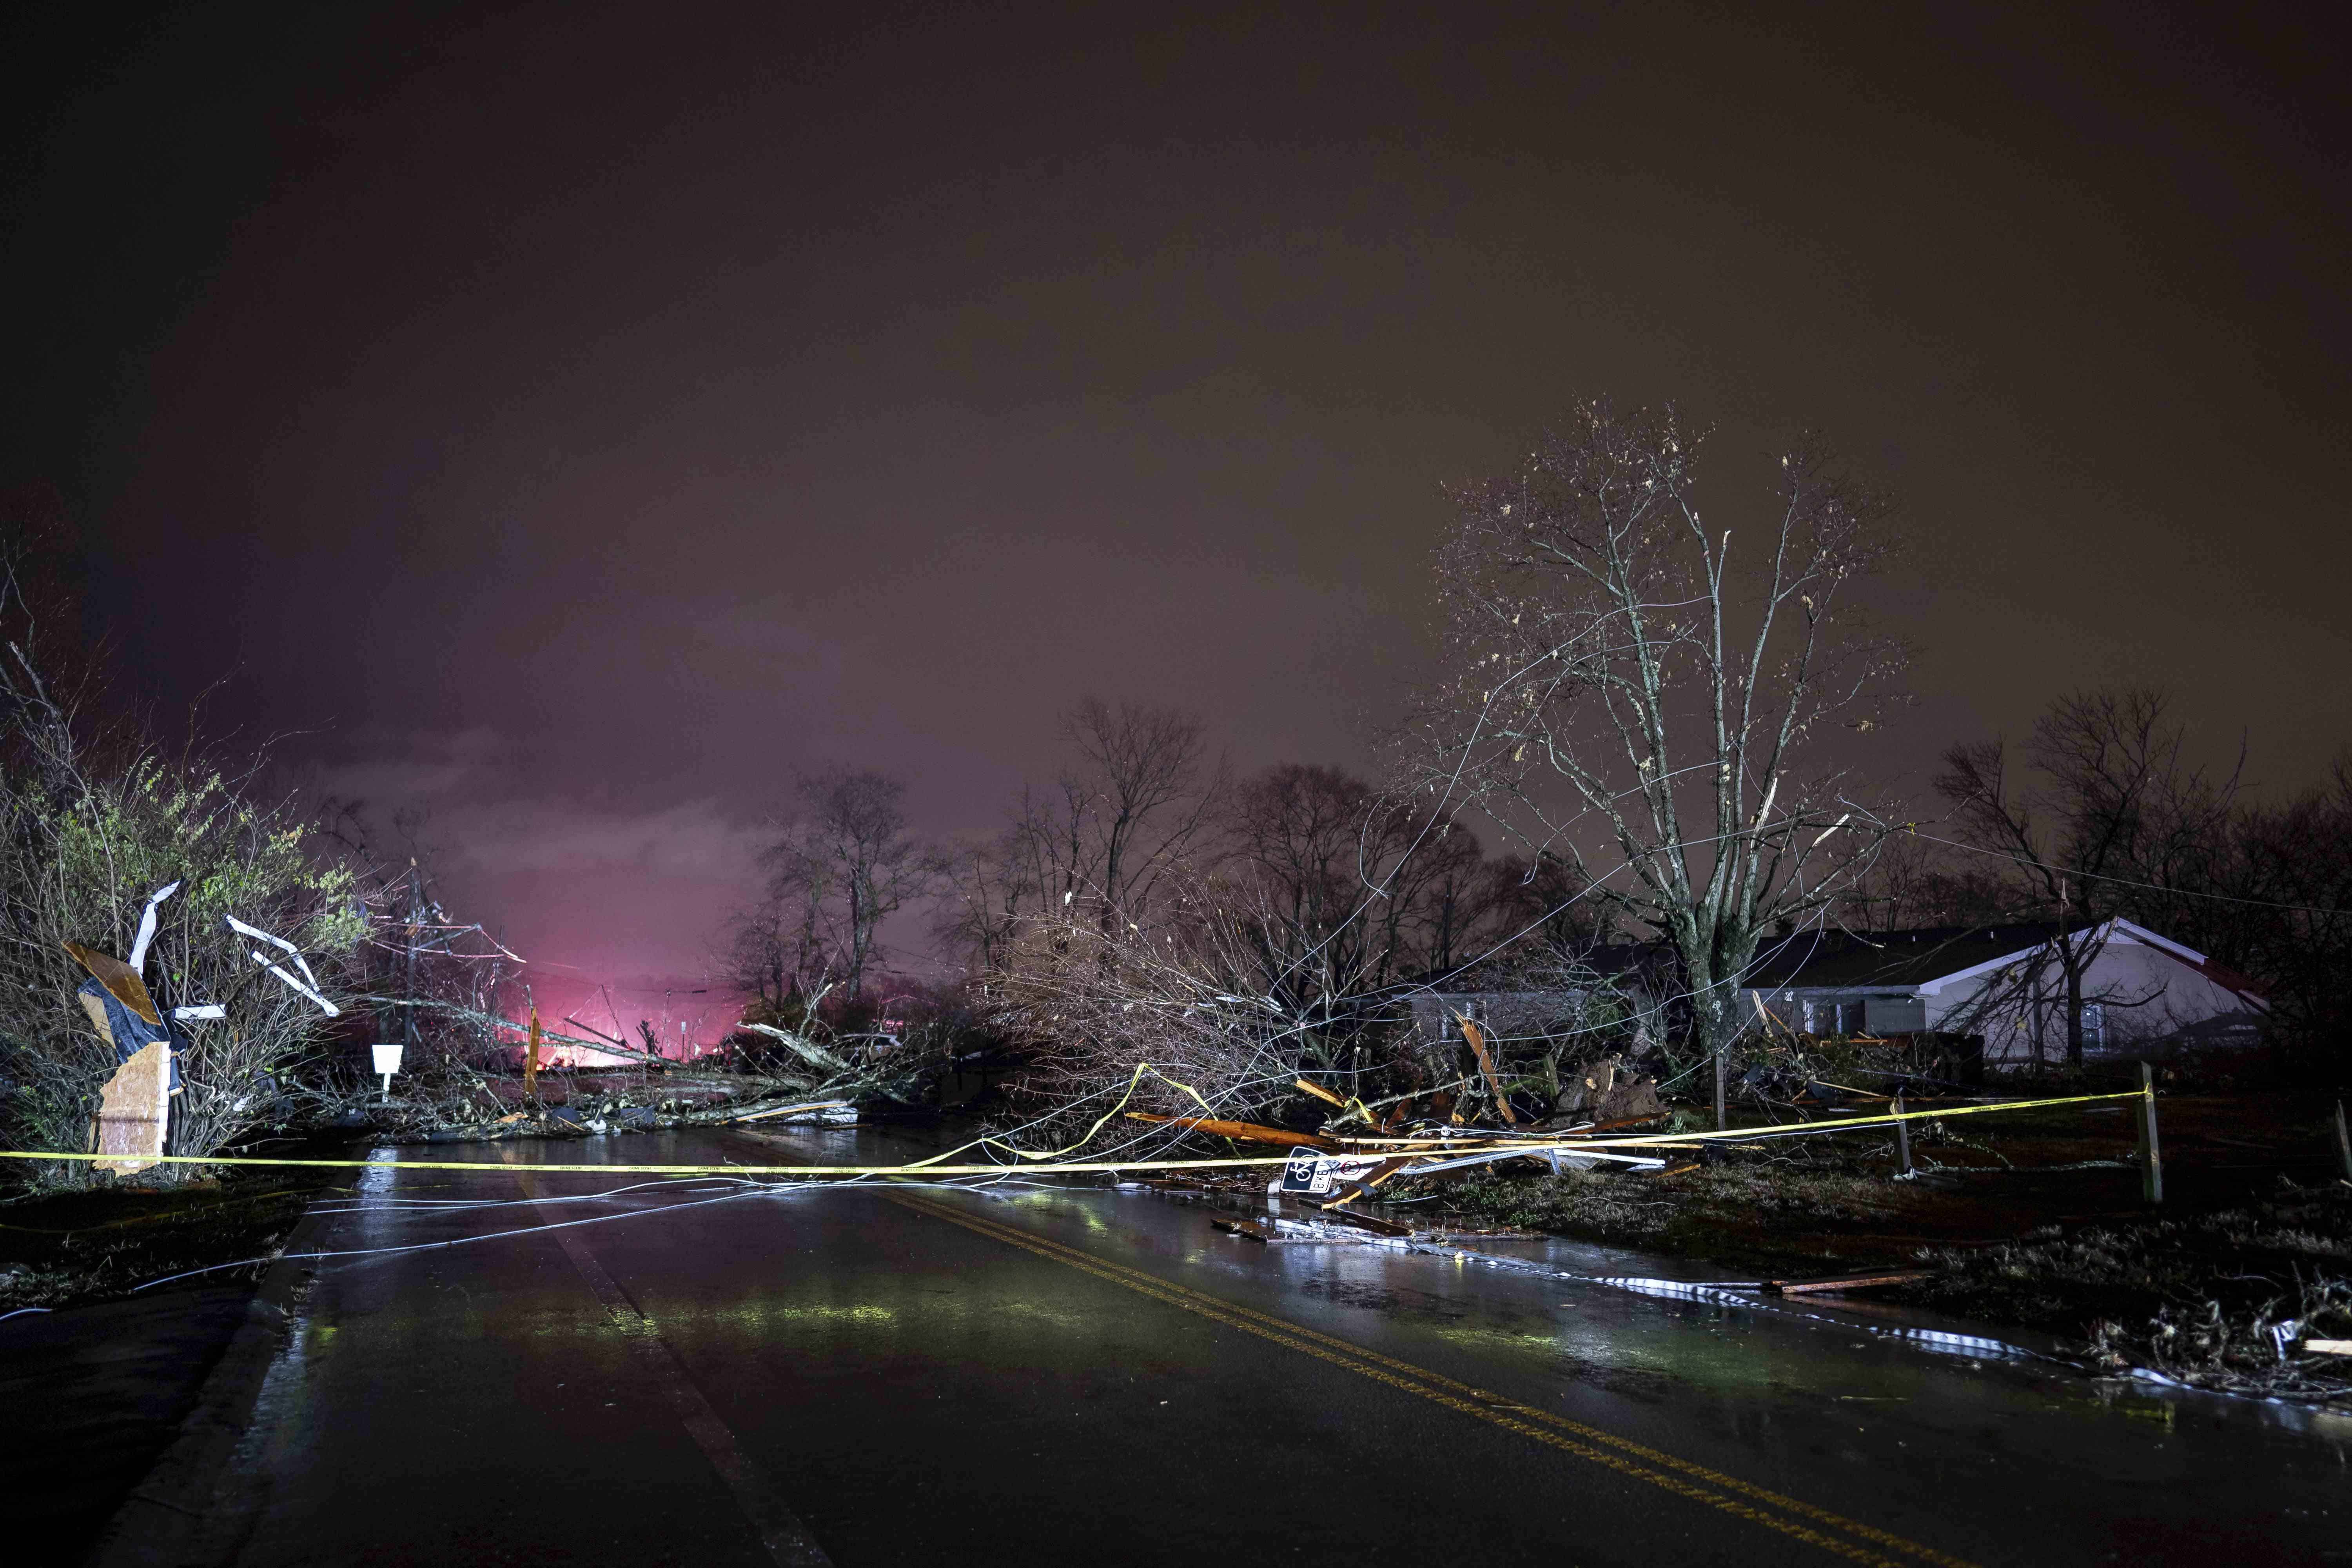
(1903, 959)
(1926, 959)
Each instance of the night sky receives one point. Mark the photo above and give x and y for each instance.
(573, 419)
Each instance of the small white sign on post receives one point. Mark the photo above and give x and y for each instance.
(387, 1062)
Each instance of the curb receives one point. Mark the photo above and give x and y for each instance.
(171, 1515)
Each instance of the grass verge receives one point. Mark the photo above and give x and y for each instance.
(69, 1248)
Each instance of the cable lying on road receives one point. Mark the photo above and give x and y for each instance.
(743, 1189)
(935, 1166)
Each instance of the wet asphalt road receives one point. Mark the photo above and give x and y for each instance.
(918, 1376)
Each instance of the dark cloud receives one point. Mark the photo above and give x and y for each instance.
(577, 417)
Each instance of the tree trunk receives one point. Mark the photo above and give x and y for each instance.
(1715, 1018)
(2073, 1011)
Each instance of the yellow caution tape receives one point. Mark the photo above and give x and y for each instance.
(933, 1166)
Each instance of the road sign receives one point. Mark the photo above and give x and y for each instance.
(1317, 1175)
(387, 1062)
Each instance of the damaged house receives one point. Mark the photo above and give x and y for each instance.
(2138, 994)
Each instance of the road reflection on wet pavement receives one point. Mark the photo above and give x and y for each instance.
(910, 1373)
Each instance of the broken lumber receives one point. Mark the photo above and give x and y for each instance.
(1363, 1221)
(811, 1107)
(1478, 1038)
(1318, 1091)
(1847, 1282)
(1240, 1132)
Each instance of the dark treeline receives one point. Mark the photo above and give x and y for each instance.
(1664, 728)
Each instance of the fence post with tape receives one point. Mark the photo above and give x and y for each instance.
(2151, 1159)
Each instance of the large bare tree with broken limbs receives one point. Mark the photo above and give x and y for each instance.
(1637, 690)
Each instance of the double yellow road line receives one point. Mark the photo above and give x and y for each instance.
(1831, 1533)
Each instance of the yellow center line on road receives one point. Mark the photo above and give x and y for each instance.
(1666, 1470)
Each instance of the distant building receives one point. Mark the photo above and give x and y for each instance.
(2143, 996)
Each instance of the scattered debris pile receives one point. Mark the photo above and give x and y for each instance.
(2249, 1300)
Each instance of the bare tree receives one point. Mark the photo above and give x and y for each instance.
(1141, 798)
(1308, 846)
(2118, 813)
(990, 887)
(846, 863)
(1632, 694)
(95, 823)
(1142, 793)
(771, 948)
(2288, 917)
(1916, 882)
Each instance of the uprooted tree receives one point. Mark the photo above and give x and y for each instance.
(1633, 691)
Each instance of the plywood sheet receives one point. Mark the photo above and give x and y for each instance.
(134, 1110)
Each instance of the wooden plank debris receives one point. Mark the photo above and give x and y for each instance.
(1364, 1221)
(1318, 1091)
(2150, 1158)
(1848, 1282)
(815, 1110)
(1478, 1038)
(1240, 1132)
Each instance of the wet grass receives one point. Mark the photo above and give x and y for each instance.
(2032, 1219)
(2215, 1299)
(94, 1244)
(1760, 1218)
